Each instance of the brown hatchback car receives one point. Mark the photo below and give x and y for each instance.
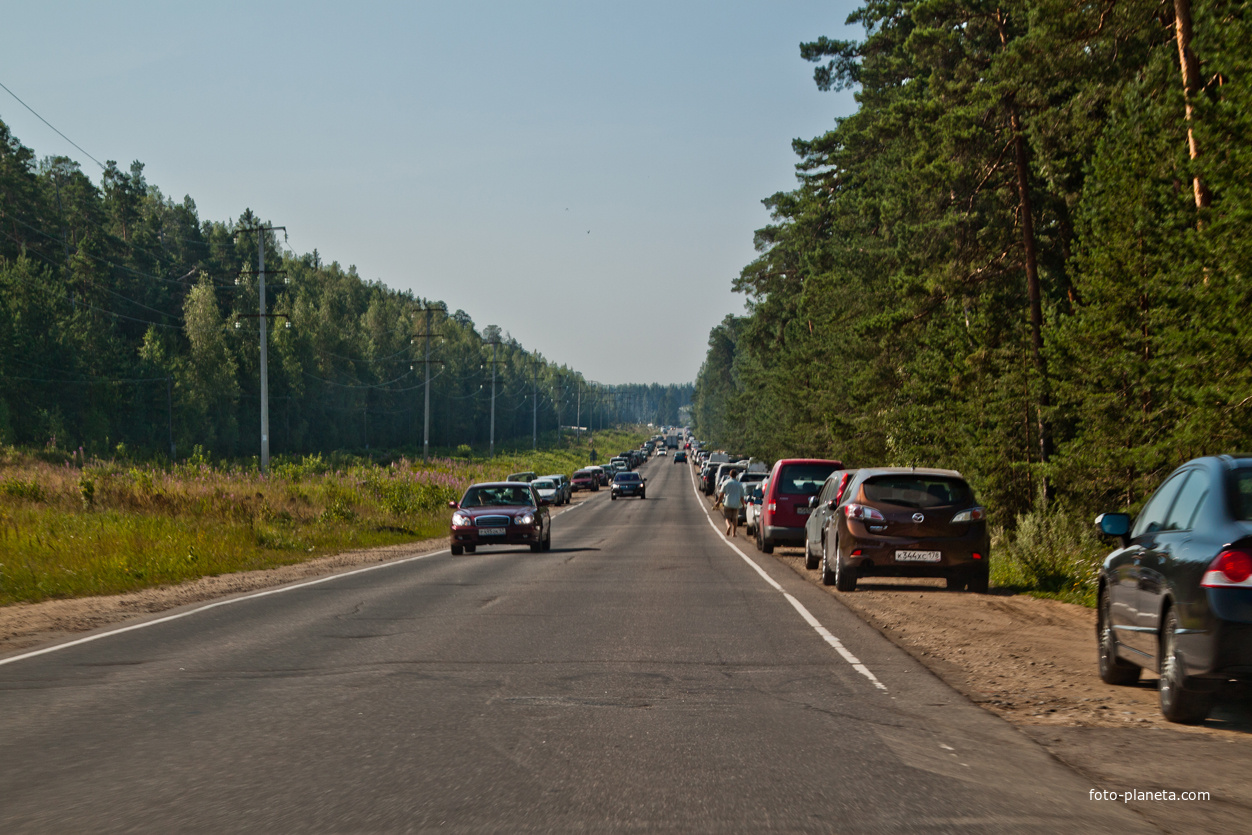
(907, 522)
(500, 513)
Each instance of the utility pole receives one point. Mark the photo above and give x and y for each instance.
(578, 414)
(169, 403)
(262, 317)
(426, 418)
(534, 381)
(495, 344)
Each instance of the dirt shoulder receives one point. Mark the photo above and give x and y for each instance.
(1033, 662)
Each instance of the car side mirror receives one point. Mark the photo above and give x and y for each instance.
(1115, 524)
(545, 502)
(812, 501)
(454, 505)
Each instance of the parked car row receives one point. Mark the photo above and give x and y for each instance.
(873, 521)
(1174, 597)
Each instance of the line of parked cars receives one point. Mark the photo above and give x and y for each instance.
(1174, 597)
(870, 521)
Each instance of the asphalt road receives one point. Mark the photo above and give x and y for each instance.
(642, 676)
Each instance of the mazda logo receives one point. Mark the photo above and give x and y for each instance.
(919, 518)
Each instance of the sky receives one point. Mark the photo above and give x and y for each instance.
(585, 175)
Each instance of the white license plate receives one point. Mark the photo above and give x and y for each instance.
(492, 531)
(804, 511)
(919, 556)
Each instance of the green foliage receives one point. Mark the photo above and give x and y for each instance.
(891, 314)
(127, 320)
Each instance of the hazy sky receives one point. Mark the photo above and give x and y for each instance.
(550, 167)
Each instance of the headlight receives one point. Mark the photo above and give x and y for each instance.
(460, 520)
(526, 519)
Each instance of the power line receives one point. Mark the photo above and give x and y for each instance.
(49, 124)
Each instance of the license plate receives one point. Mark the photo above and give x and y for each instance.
(919, 556)
(492, 531)
(804, 511)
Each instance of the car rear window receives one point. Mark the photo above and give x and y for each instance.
(620, 477)
(909, 490)
(1243, 494)
(803, 479)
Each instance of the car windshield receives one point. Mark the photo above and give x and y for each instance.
(623, 477)
(498, 496)
(543, 484)
(803, 479)
(918, 491)
(1243, 494)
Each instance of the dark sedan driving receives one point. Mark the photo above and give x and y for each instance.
(500, 513)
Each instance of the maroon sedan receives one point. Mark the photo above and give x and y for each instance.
(500, 513)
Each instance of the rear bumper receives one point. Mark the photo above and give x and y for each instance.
(879, 558)
(779, 535)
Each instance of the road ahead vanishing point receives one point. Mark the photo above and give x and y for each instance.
(644, 675)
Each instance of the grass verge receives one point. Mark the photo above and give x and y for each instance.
(71, 527)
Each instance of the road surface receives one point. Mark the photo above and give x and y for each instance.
(642, 676)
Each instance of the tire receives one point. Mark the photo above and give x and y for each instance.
(1182, 700)
(767, 547)
(469, 549)
(760, 546)
(547, 541)
(811, 560)
(979, 582)
(956, 582)
(457, 550)
(643, 495)
(536, 547)
(1113, 670)
(845, 576)
(828, 571)
(612, 497)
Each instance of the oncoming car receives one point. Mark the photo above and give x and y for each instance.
(629, 484)
(500, 513)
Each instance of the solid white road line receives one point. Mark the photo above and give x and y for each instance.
(796, 604)
(214, 605)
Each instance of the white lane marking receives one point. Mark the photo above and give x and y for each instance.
(796, 604)
(214, 605)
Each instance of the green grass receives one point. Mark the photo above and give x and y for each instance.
(98, 527)
(1052, 554)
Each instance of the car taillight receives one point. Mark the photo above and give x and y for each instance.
(862, 513)
(1233, 567)
(974, 514)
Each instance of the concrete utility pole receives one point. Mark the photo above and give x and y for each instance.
(265, 377)
(534, 431)
(495, 343)
(426, 413)
(262, 317)
(578, 414)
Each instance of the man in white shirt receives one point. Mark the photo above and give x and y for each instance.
(731, 494)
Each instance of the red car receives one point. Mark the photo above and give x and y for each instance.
(500, 513)
(785, 507)
(586, 480)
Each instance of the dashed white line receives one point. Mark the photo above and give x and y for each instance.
(825, 633)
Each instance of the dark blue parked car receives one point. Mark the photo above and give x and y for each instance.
(1176, 597)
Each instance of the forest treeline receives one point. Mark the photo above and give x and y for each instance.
(1025, 255)
(126, 319)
